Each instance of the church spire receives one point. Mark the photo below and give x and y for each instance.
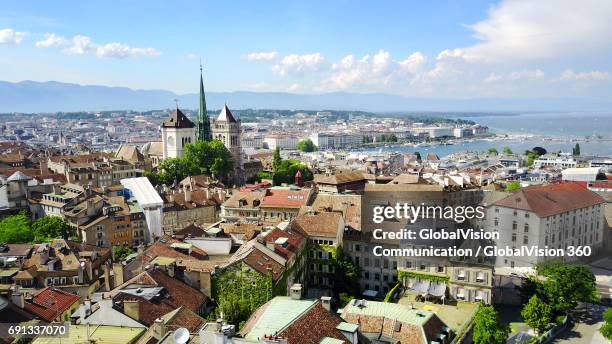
(203, 122)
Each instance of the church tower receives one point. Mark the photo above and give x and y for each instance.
(177, 132)
(203, 132)
(227, 129)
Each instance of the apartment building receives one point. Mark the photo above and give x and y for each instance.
(553, 215)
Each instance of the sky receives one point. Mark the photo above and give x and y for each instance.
(450, 49)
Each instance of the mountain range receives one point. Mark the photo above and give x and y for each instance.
(53, 96)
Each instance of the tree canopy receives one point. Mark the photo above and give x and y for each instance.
(50, 227)
(492, 150)
(487, 327)
(201, 157)
(306, 146)
(537, 313)
(15, 229)
(286, 170)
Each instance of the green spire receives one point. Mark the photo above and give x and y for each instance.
(203, 122)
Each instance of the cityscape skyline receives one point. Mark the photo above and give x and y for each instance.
(484, 49)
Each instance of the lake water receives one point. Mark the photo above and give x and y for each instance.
(553, 131)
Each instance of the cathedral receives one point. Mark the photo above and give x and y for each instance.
(178, 131)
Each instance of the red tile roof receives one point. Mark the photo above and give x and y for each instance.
(324, 224)
(551, 199)
(294, 241)
(316, 324)
(50, 303)
(285, 198)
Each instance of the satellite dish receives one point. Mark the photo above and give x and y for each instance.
(181, 335)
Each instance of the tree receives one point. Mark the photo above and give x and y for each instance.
(606, 329)
(306, 146)
(531, 156)
(208, 157)
(276, 158)
(392, 138)
(50, 227)
(346, 273)
(121, 252)
(15, 229)
(537, 313)
(487, 328)
(507, 150)
(576, 150)
(511, 186)
(566, 284)
(286, 170)
(173, 170)
(539, 150)
(492, 151)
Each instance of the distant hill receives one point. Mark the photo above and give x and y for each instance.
(51, 96)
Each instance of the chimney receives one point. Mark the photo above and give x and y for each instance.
(296, 291)
(107, 283)
(159, 328)
(17, 297)
(131, 308)
(87, 307)
(187, 194)
(118, 274)
(326, 302)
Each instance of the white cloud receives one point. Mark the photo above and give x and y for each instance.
(295, 64)
(51, 40)
(10, 36)
(83, 45)
(191, 56)
(295, 88)
(526, 29)
(525, 74)
(378, 70)
(261, 56)
(569, 74)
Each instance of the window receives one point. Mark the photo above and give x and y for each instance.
(526, 228)
(525, 240)
(514, 225)
(513, 237)
(377, 277)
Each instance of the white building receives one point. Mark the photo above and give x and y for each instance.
(335, 140)
(563, 160)
(431, 131)
(284, 142)
(585, 174)
(177, 132)
(556, 216)
(151, 203)
(227, 129)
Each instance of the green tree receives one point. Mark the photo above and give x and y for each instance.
(537, 313)
(392, 138)
(531, 156)
(208, 157)
(173, 170)
(306, 146)
(492, 151)
(50, 227)
(487, 327)
(606, 329)
(15, 229)
(566, 284)
(276, 158)
(286, 170)
(121, 252)
(576, 150)
(511, 186)
(346, 273)
(507, 150)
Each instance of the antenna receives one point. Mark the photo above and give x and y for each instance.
(181, 335)
(176, 102)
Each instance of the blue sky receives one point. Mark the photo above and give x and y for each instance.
(506, 48)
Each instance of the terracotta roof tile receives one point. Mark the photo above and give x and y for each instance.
(551, 199)
(50, 303)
